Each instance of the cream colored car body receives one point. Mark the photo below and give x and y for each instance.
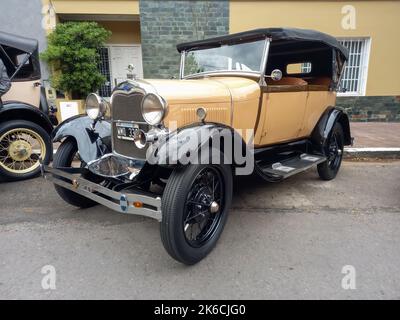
(289, 109)
(24, 91)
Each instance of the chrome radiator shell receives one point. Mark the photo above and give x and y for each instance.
(126, 108)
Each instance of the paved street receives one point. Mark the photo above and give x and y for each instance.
(287, 240)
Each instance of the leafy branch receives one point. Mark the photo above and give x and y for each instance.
(73, 54)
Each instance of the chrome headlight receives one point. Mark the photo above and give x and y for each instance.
(154, 108)
(96, 107)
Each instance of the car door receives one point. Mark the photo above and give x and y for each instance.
(283, 109)
(24, 91)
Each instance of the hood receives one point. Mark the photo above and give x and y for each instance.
(218, 95)
(206, 90)
(188, 91)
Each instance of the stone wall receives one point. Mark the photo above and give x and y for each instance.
(164, 24)
(377, 108)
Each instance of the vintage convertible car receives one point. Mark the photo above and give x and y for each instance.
(26, 120)
(259, 101)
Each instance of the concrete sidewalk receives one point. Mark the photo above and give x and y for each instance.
(374, 140)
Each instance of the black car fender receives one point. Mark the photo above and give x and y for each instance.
(327, 121)
(15, 110)
(92, 143)
(195, 143)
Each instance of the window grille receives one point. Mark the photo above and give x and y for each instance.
(355, 73)
(105, 89)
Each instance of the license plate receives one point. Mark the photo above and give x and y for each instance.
(127, 131)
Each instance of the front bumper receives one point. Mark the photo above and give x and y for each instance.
(125, 202)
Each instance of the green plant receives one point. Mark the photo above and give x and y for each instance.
(191, 64)
(73, 54)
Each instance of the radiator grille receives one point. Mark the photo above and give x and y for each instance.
(126, 108)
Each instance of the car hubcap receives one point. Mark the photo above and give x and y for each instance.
(214, 207)
(204, 207)
(21, 150)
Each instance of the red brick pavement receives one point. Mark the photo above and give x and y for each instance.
(375, 134)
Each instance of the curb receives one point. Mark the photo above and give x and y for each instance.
(377, 153)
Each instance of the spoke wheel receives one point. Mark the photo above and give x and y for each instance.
(334, 153)
(204, 204)
(195, 206)
(20, 150)
(23, 145)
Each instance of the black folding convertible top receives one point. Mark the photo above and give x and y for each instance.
(273, 33)
(11, 46)
(27, 45)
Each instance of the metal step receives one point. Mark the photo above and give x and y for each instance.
(290, 166)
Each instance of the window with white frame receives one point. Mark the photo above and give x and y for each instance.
(354, 77)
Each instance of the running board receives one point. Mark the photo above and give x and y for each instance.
(291, 166)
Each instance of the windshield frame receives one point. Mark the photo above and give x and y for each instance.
(260, 73)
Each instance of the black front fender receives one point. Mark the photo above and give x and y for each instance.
(91, 143)
(197, 143)
(324, 127)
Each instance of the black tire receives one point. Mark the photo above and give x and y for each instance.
(334, 151)
(63, 159)
(6, 174)
(174, 210)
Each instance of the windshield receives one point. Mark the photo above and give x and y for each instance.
(238, 57)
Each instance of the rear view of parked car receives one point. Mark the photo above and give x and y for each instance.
(25, 126)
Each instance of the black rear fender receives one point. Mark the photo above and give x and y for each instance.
(323, 129)
(21, 111)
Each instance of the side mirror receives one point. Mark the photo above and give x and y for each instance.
(276, 75)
